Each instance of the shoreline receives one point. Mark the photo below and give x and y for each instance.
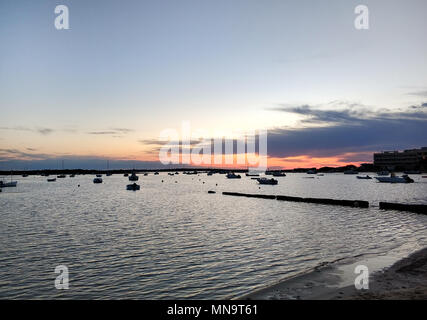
(392, 277)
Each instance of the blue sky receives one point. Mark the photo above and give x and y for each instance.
(143, 66)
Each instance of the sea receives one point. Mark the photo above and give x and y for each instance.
(174, 240)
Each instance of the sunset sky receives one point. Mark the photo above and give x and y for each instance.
(327, 93)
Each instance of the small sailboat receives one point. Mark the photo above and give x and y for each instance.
(133, 187)
(232, 175)
(267, 181)
(61, 176)
(133, 177)
(97, 180)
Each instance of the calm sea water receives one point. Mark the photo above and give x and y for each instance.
(174, 240)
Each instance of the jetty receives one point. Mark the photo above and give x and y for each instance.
(346, 203)
(416, 208)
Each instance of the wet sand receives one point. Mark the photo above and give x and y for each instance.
(405, 279)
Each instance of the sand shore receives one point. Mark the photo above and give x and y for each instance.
(405, 279)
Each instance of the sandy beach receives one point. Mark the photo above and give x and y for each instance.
(405, 279)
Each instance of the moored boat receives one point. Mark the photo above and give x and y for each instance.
(267, 181)
(4, 184)
(97, 180)
(393, 179)
(133, 177)
(366, 178)
(232, 175)
(133, 187)
(51, 180)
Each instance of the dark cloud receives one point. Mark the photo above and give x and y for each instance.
(348, 131)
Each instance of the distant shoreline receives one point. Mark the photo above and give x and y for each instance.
(197, 169)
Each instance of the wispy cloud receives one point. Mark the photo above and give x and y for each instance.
(115, 132)
(41, 130)
(44, 131)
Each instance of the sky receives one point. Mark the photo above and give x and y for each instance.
(327, 93)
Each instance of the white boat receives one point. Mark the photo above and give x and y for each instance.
(393, 179)
(232, 175)
(4, 184)
(267, 181)
(97, 180)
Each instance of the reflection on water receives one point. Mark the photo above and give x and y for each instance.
(174, 240)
